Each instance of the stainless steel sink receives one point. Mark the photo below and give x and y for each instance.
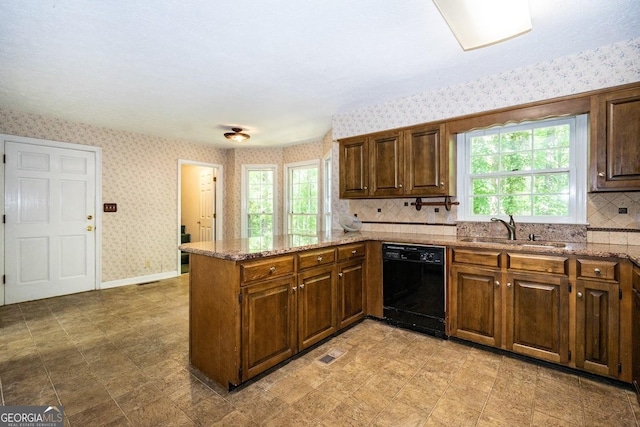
(525, 243)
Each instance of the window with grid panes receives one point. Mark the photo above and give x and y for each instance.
(535, 171)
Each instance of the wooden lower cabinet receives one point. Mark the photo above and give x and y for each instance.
(351, 294)
(597, 327)
(476, 304)
(538, 316)
(268, 325)
(573, 311)
(316, 301)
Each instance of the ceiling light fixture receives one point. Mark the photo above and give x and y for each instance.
(478, 23)
(237, 135)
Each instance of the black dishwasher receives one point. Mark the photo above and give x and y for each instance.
(413, 287)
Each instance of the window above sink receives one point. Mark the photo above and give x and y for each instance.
(534, 170)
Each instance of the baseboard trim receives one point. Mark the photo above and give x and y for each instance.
(139, 279)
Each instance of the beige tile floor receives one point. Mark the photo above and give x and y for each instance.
(120, 357)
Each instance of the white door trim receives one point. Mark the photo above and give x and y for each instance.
(219, 205)
(98, 208)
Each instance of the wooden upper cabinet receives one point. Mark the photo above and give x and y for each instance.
(387, 164)
(414, 162)
(354, 168)
(615, 152)
(426, 156)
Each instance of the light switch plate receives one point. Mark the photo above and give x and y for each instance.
(110, 207)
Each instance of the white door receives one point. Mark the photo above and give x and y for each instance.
(207, 205)
(50, 221)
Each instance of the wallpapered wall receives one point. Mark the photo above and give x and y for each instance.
(139, 173)
(594, 69)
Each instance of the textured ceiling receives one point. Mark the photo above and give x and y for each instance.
(279, 69)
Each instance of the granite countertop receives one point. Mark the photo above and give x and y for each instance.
(258, 247)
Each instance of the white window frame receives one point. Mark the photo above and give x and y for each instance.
(245, 192)
(287, 192)
(578, 148)
(326, 191)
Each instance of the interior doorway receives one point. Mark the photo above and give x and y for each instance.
(199, 205)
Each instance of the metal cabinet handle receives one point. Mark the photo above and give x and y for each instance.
(319, 258)
(339, 274)
(366, 188)
(508, 284)
(597, 271)
(399, 185)
(601, 174)
(497, 283)
(272, 269)
(579, 294)
(295, 288)
(441, 183)
(353, 251)
(302, 286)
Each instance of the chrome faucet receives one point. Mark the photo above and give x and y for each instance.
(511, 226)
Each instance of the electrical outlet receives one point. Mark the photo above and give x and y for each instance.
(436, 210)
(379, 210)
(622, 210)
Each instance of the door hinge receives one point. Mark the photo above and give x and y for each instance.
(4, 219)
(4, 158)
(4, 279)
(215, 179)
(240, 297)
(569, 355)
(214, 216)
(619, 368)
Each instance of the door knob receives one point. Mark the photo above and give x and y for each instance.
(89, 228)
(579, 294)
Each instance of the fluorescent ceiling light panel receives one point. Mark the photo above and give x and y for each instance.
(478, 23)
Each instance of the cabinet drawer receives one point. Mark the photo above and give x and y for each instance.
(598, 269)
(351, 251)
(539, 263)
(266, 268)
(477, 257)
(315, 258)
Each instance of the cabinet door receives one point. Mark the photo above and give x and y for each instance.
(475, 306)
(617, 141)
(351, 296)
(268, 325)
(316, 305)
(425, 162)
(597, 327)
(538, 316)
(354, 168)
(387, 168)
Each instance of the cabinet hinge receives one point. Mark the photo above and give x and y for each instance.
(570, 288)
(240, 297)
(619, 368)
(619, 293)
(569, 354)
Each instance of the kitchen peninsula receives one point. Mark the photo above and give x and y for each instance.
(256, 302)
